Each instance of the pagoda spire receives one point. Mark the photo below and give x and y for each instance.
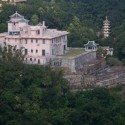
(106, 28)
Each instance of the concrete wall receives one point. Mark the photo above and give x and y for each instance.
(79, 61)
(70, 63)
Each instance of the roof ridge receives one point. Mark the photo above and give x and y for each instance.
(16, 15)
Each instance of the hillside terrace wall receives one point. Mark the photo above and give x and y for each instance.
(75, 63)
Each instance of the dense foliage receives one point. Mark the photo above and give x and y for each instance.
(82, 18)
(37, 95)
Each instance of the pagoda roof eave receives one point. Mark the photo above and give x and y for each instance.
(16, 15)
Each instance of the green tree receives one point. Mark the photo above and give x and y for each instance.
(3, 27)
(79, 33)
(112, 61)
(34, 19)
(99, 52)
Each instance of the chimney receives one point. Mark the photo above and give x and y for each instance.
(43, 23)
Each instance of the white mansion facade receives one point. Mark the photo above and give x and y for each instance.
(40, 44)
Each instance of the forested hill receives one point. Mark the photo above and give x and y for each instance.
(37, 95)
(82, 18)
(95, 10)
(60, 12)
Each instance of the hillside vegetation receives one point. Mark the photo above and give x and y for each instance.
(82, 18)
(37, 95)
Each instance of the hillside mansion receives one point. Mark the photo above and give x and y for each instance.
(39, 43)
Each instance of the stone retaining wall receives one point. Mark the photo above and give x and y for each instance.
(75, 63)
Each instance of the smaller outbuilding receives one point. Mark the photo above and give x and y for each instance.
(91, 46)
(107, 50)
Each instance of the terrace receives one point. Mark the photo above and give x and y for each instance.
(74, 52)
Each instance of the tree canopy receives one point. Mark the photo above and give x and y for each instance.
(39, 95)
(82, 18)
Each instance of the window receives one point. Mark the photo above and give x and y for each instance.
(64, 47)
(38, 61)
(57, 63)
(14, 48)
(52, 51)
(38, 32)
(34, 59)
(26, 41)
(43, 41)
(10, 33)
(30, 59)
(26, 51)
(31, 51)
(5, 43)
(36, 40)
(43, 52)
(89, 47)
(36, 51)
(31, 40)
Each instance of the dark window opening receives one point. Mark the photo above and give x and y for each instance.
(43, 41)
(89, 47)
(38, 61)
(64, 47)
(26, 51)
(43, 52)
(26, 41)
(38, 32)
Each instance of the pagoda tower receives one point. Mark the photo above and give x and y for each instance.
(106, 28)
